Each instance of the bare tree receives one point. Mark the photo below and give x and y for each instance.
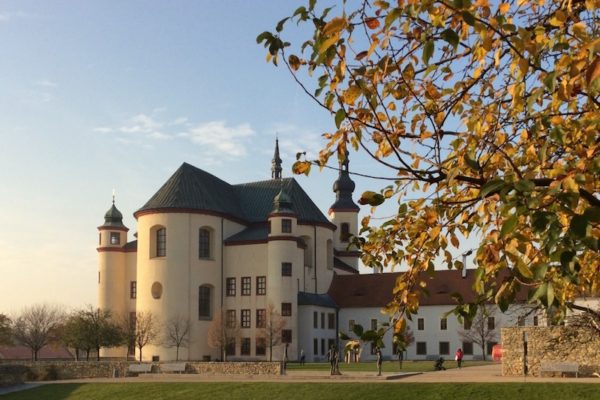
(271, 332)
(5, 330)
(482, 328)
(222, 332)
(146, 328)
(584, 318)
(37, 326)
(177, 333)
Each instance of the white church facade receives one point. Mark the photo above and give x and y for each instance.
(204, 247)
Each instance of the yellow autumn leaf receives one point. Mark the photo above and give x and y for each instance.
(503, 8)
(435, 232)
(570, 185)
(334, 26)
(351, 94)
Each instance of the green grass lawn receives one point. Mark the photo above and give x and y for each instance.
(388, 366)
(309, 391)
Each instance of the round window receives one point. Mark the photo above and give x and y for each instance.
(157, 290)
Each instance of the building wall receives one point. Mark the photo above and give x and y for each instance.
(180, 273)
(431, 334)
(319, 330)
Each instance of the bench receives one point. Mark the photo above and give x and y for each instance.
(173, 367)
(140, 368)
(562, 367)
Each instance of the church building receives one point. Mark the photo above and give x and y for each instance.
(206, 247)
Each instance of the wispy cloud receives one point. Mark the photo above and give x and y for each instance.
(10, 15)
(217, 140)
(46, 83)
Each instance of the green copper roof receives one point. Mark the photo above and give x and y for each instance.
(194, 189)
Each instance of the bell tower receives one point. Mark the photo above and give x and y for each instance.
(344, 214)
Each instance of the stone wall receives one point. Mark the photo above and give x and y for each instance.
(57, 370)
(549, 344)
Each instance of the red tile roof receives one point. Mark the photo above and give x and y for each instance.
(375, 290)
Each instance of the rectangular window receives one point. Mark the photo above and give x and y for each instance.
(261, 346)
(261, 285)
(444, 348)
(535, 320)
(286, 336)
(245, 347)
(230, 319)
(443, 324)
(420, 324)
(246, 286)
(286, 269)
(286, 309)
(467, 324)
(230, 286)
(351, 324)
(421, 348)
(323, 347)
(467, 348)
(204, 300)
(204, 243)
(374, 324)
(245, 319)
(322, 320)
(491, 323)
(230, 347)
(330, 343)
(316, 346)
(133, 289)
(489, 347)
(261, 318)
(115, 238)
(345, 233)
(161, 242)
(373, 349)
(521, 321)
(331, 321)
(286, 225)
(315, 320)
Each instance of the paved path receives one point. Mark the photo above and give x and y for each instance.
(486, 373)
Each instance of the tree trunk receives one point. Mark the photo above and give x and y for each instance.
(98, 353)
(140, 354)
(177, 354)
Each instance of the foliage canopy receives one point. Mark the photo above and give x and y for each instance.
(486, 115)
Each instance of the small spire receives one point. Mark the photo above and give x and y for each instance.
(113, 196)
(344, 188)
(276, 162)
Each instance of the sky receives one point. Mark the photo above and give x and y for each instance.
(103, 95)
(97, 96)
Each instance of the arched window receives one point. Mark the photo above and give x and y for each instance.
(345, 232)
(161, 242)
(204, 243)
(205, 302)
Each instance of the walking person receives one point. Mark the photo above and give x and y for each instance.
(379, 360)
(302, 357)
(458, 356)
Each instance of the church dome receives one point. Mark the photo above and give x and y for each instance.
(113, 218)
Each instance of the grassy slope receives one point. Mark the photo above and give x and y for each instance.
(305, 391)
